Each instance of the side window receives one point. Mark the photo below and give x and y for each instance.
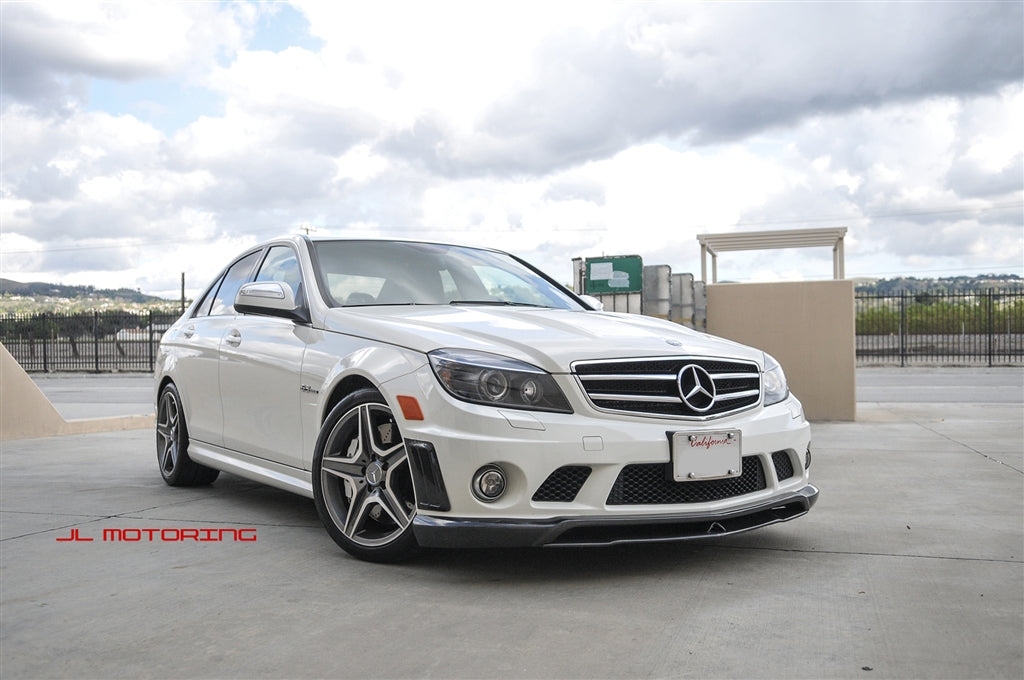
(224, 302)
(203, 309)
(281, 265)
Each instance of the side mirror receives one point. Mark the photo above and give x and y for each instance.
(593, 302)
(270, 298)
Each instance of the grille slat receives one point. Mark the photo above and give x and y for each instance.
(630, 376)
(601, 396)
(651, 386)
(737, 395)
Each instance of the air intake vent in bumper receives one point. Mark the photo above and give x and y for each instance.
(652, 484)
(562, 485)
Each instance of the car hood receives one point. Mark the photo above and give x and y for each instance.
(548, 338)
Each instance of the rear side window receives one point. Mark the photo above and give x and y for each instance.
(203, 309)
(224, 301)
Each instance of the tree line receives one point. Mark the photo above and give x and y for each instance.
(951, 284)
(922, 313)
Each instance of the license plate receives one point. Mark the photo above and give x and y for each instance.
(700, 456)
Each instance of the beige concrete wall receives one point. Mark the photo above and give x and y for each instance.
(26, 413)
(808, 326)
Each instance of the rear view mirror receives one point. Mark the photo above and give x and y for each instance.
(593, 302)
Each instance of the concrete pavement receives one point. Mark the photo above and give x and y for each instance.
(103, 395)
(909, 566)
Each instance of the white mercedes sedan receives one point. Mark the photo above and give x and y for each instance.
(428, 395)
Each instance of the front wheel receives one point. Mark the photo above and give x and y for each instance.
(362, 482)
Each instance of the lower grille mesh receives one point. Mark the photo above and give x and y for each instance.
(652, 484)
(562, 485)
(783, 465)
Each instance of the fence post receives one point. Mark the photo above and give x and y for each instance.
(96, 340)
(903, 327)
(149, 340)
(989, 304)
(46, 353)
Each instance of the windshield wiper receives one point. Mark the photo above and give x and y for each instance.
(498, 303)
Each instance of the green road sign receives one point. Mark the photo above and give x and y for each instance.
(619, 274)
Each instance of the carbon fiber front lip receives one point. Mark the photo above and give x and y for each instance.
(444, 532)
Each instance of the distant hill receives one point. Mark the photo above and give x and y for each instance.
(56, 290)
(962, 284)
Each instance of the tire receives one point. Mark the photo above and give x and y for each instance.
(176, 467)
(362, 481)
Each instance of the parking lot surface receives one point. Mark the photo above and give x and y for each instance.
(909, 566)
(103, 395)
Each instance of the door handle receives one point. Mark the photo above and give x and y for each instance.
(234, 338)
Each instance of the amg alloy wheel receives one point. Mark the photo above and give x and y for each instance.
(362, 482)
(176, 467)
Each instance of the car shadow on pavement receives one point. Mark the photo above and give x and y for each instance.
(268, 506)
(530, 565)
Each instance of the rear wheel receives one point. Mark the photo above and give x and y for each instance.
(176, 467)
(362, 483)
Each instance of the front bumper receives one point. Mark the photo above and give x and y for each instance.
(449, 532)
(590, 478)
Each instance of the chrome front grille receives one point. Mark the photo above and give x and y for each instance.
(656, 386)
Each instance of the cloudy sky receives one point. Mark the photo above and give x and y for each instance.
(142, 140)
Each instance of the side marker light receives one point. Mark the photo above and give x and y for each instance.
(410, 408)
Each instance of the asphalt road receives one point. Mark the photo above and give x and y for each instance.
(941, 385)
(910, 566)
(85, 395)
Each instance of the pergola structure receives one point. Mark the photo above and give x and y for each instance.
(765, 240)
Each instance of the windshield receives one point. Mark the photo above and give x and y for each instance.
(361, 273)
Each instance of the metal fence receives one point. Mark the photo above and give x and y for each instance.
(970, 328)
(94, 341)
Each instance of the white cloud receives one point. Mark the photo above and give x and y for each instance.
(50, 49)
(552, 129)
(360, 164)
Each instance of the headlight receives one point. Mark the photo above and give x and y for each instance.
(774, 380)
(494, 380)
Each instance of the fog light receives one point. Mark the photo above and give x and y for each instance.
(489, 483)
(807, 458)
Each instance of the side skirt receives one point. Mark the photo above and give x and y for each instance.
(250, 467)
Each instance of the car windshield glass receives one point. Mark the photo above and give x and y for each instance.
(361, 273)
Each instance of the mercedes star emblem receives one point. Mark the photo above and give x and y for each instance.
(697, 388)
